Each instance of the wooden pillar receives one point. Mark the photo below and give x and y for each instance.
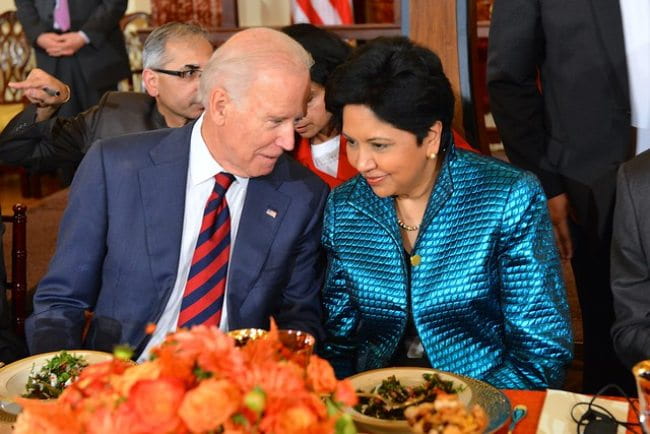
(448, 27)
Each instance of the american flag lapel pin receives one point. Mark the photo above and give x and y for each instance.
(271, 213)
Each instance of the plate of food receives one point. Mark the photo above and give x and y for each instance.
(401, 400)
(43, 376)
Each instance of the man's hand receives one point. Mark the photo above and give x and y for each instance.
(66, 44)
(49, 41)
(71, 42)
(44, 90)
(560, 211)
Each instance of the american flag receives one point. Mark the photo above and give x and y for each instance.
(322, 12)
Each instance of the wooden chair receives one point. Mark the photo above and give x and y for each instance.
(18, 283)
(16, 60)
(130, 25)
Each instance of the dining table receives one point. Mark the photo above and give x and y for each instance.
(532, 399)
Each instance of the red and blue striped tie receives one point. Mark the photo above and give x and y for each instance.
(206, 283)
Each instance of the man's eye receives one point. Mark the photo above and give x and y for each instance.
(192, 73)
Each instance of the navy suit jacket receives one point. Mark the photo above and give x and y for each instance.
(119, 243)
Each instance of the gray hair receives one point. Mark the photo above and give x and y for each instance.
(235, 64)
(153, 52)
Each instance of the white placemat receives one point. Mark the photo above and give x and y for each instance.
(556, 412)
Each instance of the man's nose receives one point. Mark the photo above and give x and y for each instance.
(286, 136)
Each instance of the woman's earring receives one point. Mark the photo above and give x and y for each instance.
(432, 156)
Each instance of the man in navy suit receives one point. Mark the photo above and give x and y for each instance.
(136, 205)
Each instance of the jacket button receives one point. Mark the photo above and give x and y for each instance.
(415, 260)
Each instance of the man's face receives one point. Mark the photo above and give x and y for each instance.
(253, 132)
(177, 97)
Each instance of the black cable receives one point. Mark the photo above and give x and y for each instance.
(590, 414)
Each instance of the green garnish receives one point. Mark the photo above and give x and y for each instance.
(57, 373)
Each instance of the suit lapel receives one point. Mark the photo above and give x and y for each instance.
(264, 210)
(162, 188)
(609, 24)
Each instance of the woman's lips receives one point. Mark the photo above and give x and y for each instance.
(374, 180)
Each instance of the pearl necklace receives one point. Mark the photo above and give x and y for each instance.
(406, 227)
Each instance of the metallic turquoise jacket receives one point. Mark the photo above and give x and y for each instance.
(487, 298)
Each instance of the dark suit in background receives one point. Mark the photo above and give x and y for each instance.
(631, 261)
(119, 245)
(99, 65)
(573, 134)
(50, 143)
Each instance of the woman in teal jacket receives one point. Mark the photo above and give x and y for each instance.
(437, 257)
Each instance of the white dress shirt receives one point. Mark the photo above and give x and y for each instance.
(200, 182)
(636, 31)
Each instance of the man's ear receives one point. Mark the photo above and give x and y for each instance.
(432, 139)
(219, 105)
(150, 82)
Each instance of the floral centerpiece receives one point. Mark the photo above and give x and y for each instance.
(199, 381)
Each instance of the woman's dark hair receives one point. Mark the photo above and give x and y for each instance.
(401, 82)
(326, 48)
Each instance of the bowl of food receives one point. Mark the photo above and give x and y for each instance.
(402, 400)
(44, 376)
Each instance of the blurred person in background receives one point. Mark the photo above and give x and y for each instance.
(80, 43)
(631, 261)
(321, 147)
(174, 55)
(568, 87)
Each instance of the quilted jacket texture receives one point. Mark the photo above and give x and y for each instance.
(487, 299)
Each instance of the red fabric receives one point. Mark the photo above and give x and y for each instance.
(345, 171)
(461, 143)
(344, 8)
(310, 8)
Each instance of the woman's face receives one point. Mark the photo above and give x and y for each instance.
(317, 118)
(389, 158)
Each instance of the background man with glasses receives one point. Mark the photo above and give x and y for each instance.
(173, 56)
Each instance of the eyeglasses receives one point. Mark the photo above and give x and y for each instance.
(185, 74)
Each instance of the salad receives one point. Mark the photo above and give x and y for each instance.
(389, 399)
(57, 373)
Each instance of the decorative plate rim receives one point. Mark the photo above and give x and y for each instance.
(9, 371)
